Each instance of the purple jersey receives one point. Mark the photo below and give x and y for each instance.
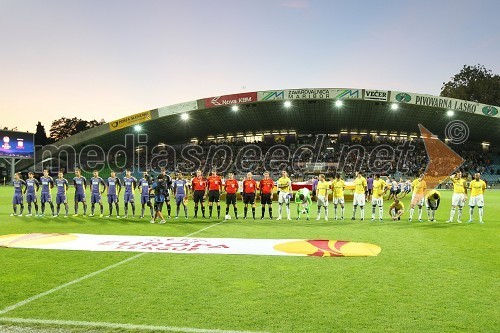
(179, 187)
(144, 185)
(61, 185)
(112, 184)
(18, 186)
(369, 183)
(47, 182)
(129, 183)
(95, 183)
(31, 186)
(80, 184)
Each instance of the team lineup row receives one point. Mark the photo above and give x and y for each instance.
(201, 188)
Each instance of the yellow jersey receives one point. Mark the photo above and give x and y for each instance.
(322, 188)
(338, 188)
(359, 185)
(399, 206)
(458, 185)
(477, 187)
(418, 186)
(284, 184)
(379, 188)
(430, 195)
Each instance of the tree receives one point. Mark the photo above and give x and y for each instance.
(65, 127)
(474, 83)
(40, 135)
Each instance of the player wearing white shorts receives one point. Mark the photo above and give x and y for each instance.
(285, 189)
(432, 200)
(322, 196)
(360, 186)
(418, 186)
(459, 196)
(477, 188)
(379, 189)
(338, 186)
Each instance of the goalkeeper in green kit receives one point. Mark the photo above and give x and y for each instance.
(303, 200)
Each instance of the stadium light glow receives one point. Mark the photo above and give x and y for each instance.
(287, 104)
(235, 108)
(450, 113)
(137, 128)
(394, 106)
(184, 116)
(339, 103)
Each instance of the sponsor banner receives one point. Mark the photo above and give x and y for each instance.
(185, 245)
(376, 95)
(230, 99)
(130, 120)
(177, 108)
(489, 110)
(444, 103)
(298, 94)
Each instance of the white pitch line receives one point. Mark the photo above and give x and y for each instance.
(45, 293)
(120, 326)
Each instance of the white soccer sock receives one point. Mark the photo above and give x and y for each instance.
(363, 212)
(471, 213)
(279, 209)
(373, 212)
(335, 210)
(411, 212)
(381, 212)
(420, 213)
(459, 213)
(452, 214)
(342, 210)
(481, 214)
(326, 212)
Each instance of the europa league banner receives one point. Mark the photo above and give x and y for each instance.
(273, 247)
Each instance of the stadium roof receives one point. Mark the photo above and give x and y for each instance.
(311, 111)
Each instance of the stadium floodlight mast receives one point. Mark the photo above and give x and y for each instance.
(339, 103)
(137, 128)
(235, 108)
(184, 116)
(394, 106)
(450, 113)
(287, 104)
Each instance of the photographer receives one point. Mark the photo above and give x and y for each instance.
(161, 192)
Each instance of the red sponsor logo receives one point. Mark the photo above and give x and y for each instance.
(230, 99)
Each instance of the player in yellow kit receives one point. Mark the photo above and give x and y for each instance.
(477, 188)
(285, 192)
(418, 186)
(322, 196)
(432, 200)
(379, 189)
(396, 209)
(360, 187)
(338, 186)
(459, 196)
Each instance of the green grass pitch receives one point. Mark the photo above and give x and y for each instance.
(429, 277)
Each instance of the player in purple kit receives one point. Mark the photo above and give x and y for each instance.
(143, 185)
(62, 187)
(80, 184)
(114, 182)
(18, 194)
(45, 196)
(130, 184)
(181, 194)
(369, 188)
(95, 192)
(32, 186)
(168, 181)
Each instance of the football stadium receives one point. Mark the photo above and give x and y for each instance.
(389, 198)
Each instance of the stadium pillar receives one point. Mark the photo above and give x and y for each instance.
(13, 163)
